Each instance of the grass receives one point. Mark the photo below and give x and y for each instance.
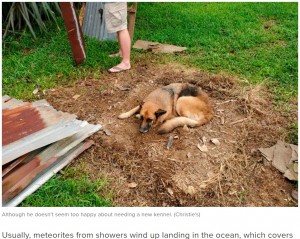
(253, 41)
(256, 41)
(72, 189)
(47, 62)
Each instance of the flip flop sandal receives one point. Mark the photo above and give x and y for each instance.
(117, 69)
(115, 55)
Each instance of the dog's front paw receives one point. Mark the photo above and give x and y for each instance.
(123, 116)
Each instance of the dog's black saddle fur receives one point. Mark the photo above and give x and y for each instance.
(189, 90)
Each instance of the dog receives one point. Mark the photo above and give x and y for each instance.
(174, 105)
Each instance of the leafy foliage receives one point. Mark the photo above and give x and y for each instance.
(21, 14)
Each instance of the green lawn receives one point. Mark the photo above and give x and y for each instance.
(72, 188)
(257, 42)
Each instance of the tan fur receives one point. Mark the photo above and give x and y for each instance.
(173, 106)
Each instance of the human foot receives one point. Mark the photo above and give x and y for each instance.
(119, 68)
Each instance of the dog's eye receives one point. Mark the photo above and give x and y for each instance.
(149, 120)
(141, 117)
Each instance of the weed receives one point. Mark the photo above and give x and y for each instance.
(293, 134)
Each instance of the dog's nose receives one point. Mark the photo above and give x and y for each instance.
(143, 130)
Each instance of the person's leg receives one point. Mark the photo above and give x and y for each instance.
(125, 47)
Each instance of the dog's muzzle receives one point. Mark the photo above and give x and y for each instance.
(144, 129)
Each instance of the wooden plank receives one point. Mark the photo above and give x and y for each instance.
(74, 31)
(131, 21)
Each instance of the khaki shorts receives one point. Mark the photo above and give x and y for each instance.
(115, 16)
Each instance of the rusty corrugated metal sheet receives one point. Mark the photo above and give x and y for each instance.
(29, 126)
(47, 174)
(26, 171)
(36, 136)
(10, 166)
(21, 122)
(94, 22)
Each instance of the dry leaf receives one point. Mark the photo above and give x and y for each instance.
(191, 190)
(203, 185)
(35, 91)
(211, 174)
(123, 88)
(222, 120)
(170, 191)
(202, 148)
(215, 141)
(132, 185)
(75, 97)
(106, 131)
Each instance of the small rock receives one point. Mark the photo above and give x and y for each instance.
(294, 195)
(170, 141)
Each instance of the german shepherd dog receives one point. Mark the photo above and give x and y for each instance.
(174, 105)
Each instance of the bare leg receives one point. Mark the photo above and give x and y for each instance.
(119, 53)
(125, 47)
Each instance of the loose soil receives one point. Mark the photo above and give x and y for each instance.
(143, 172)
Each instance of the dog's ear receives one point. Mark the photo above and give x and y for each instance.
(159, 112)
(141, 102)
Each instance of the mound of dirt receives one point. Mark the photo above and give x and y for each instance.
(143, 172)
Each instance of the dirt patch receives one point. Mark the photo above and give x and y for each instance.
(143, 172)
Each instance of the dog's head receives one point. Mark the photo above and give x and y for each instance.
(149, 114)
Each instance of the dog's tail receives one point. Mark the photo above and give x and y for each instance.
(171, 124)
